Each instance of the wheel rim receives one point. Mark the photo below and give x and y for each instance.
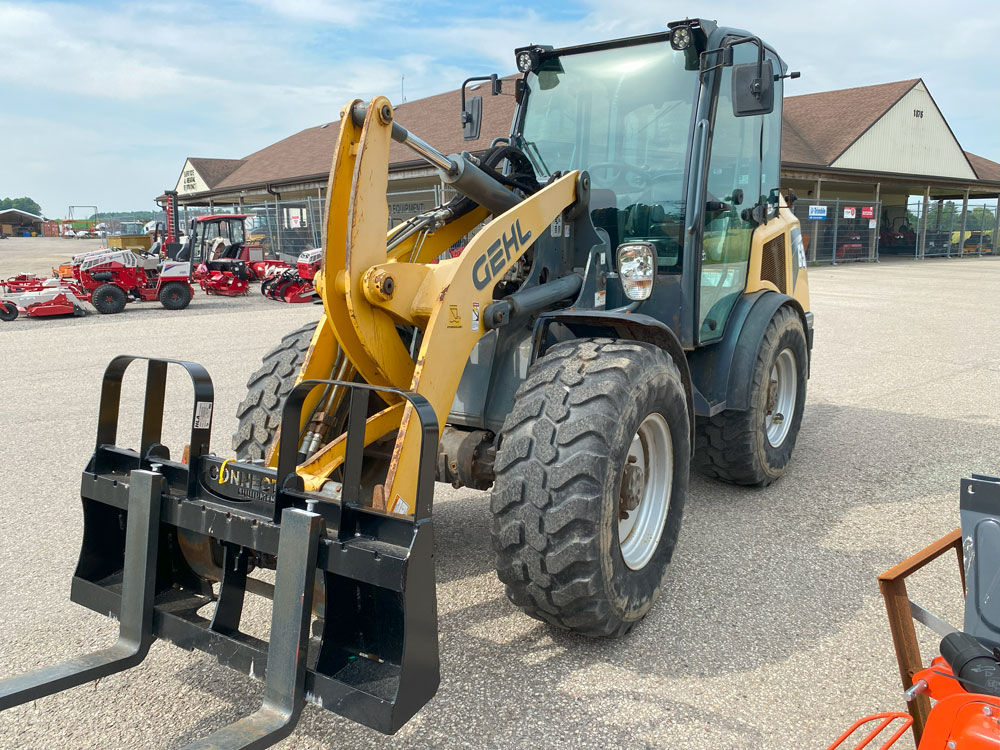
(781, 393)
(640, 529)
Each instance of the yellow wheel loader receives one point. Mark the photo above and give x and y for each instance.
(632, 298)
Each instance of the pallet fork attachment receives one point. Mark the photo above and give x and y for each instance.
(367, 575)
(136, 614)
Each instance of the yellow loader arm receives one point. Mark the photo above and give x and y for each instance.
(367, 290)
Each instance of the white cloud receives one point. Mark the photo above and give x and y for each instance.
(336, 12)
(142, 85)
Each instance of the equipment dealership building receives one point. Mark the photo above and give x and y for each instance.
(875, 169)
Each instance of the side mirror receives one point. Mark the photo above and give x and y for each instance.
(472, 119)
(472, 112)
(753, 89)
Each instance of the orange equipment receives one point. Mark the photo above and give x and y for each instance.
(964, 682)
(885, 719)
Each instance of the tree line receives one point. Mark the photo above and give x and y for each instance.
(21, 204)
(978, 217)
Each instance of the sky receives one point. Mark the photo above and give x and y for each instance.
(101, 102)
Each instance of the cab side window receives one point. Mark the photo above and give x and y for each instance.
(737, 180)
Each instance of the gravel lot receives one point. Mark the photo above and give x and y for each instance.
(770, 632)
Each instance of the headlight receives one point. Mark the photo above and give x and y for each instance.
(527, 60)
(636, 267)
(680, 37)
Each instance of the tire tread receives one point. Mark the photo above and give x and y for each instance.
(550, 468)
(725, 444)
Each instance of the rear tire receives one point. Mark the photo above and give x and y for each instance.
(175, 295)
(558, 498)
(259, 414)
(749, 447)
(8, 311)
(108, 299)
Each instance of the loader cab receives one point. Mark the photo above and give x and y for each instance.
(680, 162)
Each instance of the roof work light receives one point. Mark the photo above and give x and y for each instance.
(680, 37)
(525, 60)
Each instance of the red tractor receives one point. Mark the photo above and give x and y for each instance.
(115, 277)
(108, 279)
(224, 263)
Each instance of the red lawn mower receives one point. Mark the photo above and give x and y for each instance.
(38, 297)
(295, 284)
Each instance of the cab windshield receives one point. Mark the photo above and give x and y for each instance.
(229, 230)
(625, 116)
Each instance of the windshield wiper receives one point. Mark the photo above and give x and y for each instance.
(537, 161)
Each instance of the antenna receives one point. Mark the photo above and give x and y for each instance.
(402, 88)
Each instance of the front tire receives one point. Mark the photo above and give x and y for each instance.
(754, 447)
(259, 414)
(108, 299)
(8, 311)
(175, 295)
(567, 506)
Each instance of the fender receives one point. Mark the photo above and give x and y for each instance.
(723, 371)
(636, 327)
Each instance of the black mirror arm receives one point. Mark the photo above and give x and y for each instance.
(757, 85)
(495, 84)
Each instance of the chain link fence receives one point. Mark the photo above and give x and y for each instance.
(946, 232)
(291, 226)
(839, 231)
(833, 230)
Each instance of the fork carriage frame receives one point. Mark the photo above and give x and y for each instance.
(374, 657)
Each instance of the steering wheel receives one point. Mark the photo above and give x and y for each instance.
(615, 176)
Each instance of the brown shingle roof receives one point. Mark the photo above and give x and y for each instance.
(984, 168)
(817, 128)
(434, 118)
(214, 171)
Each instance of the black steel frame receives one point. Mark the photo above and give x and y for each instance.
(369, 575)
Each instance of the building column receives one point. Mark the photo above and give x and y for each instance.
(923, 221)
(961, 234)
(996, 228)
(877, 210)
(836, 223)
(322, 217)
(982, 229)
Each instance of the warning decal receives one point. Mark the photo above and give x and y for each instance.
(203, 415)
(399, 506)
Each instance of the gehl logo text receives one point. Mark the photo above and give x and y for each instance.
(489, 265)
(248, 484)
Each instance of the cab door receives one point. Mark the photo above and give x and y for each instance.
(732, 188)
